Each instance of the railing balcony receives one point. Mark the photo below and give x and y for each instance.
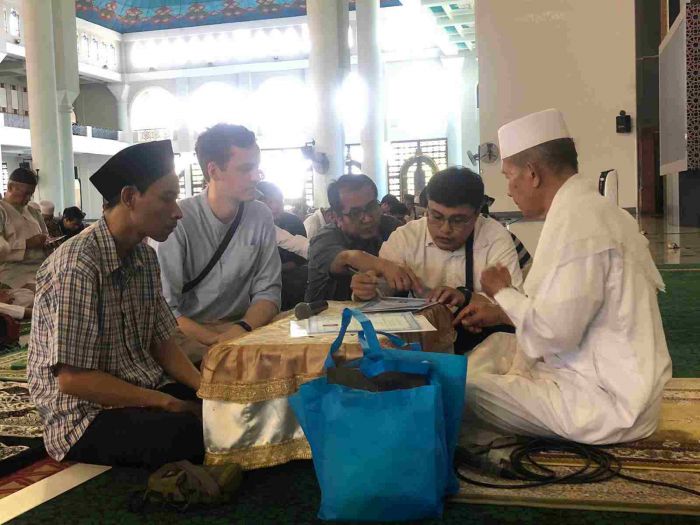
(149, 135)
(15, 121)
(79, 130)
(104, 133)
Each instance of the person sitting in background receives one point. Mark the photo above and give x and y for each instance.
(294, 269)
(317, 220)
(102, 360)
(52, 225)
(414, 212)
(423, 198)
(23, 233)
(72, 221)
(353, 242)
(399, 212)
(449, 248)
(240, 290)
(387, 202)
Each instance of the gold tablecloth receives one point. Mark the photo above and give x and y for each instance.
(268, 363)
(245, 384)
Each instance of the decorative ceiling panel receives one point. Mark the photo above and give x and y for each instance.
(129, 16)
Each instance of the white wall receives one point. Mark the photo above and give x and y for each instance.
(575, 55)
(92, 200)
(470, 111)
(96, 106)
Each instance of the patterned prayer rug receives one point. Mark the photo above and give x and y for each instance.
(614, 495)
(675, 446)
(30, 475)
(19, 417)
(13, 363)
(671, 455)
(20, 428)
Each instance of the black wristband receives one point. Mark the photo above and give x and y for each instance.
(244, 325)
(467, 295)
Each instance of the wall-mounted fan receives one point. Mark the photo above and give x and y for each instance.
(488, 153)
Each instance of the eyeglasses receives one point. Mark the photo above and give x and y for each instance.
(455, 221)
(356, 214)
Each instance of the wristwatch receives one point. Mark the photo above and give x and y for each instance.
(244, 325)
(467, 295)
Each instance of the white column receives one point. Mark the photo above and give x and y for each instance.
(68, 88)
(470, 112)
(329, 63)
(184, 142)
(370, 66)
(454, 71)
(121, 94)
(43, 100)
(65, 143)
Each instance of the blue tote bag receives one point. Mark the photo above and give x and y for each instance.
(384, 456)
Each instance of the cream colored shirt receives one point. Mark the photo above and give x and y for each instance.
(15, 228)
(314, 223)
(411, 245)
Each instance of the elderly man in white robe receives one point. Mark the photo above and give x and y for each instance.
(589, 361)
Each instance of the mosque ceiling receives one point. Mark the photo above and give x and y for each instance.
(128, 16)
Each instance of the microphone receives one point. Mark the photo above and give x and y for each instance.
(306, 310)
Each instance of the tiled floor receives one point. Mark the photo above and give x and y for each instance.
(671, 244)
(668, 244)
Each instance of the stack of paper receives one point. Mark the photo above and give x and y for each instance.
(395, 304)
(398, 322)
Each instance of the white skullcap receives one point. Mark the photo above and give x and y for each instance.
(530, 131)
(46, 207)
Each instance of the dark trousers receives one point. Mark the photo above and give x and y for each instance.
(466, 341)
(142, 437)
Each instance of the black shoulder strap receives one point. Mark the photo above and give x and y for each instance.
(218, 253)
(469, 263)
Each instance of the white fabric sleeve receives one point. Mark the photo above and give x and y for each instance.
(502, 251)
(555, 321)
(13, 310)
(297, 244)
(394, 248)
(311, 225)
(10, 251)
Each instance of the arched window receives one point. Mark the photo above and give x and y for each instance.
(94, 49)
(216, 102)
(84, 47)
(112, 55)
(284, 112)
(154, 108)
(14, 23)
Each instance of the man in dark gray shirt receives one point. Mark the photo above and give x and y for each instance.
(352, 242)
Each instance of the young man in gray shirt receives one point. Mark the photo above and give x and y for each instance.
(241, 291)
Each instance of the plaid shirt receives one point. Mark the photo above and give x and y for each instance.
(93, 311)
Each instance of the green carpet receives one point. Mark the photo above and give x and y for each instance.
(680, 311)
(290, 494)
(284, 495)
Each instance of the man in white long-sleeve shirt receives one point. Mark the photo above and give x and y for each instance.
(23, 235)
(22, 231)
(589, 360)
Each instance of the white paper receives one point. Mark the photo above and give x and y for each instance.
(395, 322)
(395, 304)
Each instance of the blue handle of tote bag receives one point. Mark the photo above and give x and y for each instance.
(375, 363)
